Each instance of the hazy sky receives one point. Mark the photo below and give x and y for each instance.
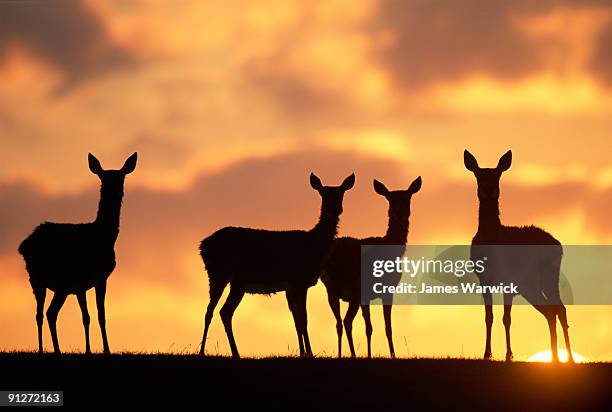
(236, 100)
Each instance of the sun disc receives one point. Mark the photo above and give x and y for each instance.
(546, 356)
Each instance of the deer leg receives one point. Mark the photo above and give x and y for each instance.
(291, 302)
(559, 309)
(542, 305)
(215, 295)
(388, 331)
(302, 295)
(82, 298)
(507, 319)
(551, 318)
(550, 314)
(227, 312)
(334, 304)
(56, 304)
(488, 302)
(545, 307)
(365, 311)
(40, 294)
(100, 296)
(563, 321)
(351, 312)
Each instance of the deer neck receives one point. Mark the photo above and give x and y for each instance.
(397, 231)
(109, 210)
(327, 226)
(489, 222)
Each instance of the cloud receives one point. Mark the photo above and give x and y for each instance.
(598, 212)
(601, 63)
(296, 95)
(530, 51)
(65, 34)
(446, 41)
(159, 150)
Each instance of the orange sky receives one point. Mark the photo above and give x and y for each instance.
(239, 99)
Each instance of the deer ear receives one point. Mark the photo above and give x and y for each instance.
(380, 188)
(94, 164)
(505, 161)
(415, 186)
(348, 183)
(130, 164)
(470, 161)
(315, 182)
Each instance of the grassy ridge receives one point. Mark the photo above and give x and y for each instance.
(322, 383)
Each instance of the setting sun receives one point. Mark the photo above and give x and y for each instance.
(546, 356)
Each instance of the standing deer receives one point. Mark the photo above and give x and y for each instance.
(73, 258)
(542, 287)
(265, 262)
(342, 273)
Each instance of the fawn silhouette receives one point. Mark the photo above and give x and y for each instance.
(72, 258)
(265, 262)
(342, 273)
(542, 292)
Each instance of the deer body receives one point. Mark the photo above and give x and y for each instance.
(342, 270)
(72, 265)
(73, 258)
(252, 268)
(263, 262)
(536, 272)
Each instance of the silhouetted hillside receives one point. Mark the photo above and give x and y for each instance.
(317, 384)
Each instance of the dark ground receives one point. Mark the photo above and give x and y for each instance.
(216, 383)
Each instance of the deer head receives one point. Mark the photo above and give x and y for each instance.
(399, 200)
(487, 178)
(112, 178)
(332, 196)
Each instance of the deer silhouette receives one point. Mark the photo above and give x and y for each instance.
(260, 261)
(73, 258)
(342, 273)
(542, 289)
